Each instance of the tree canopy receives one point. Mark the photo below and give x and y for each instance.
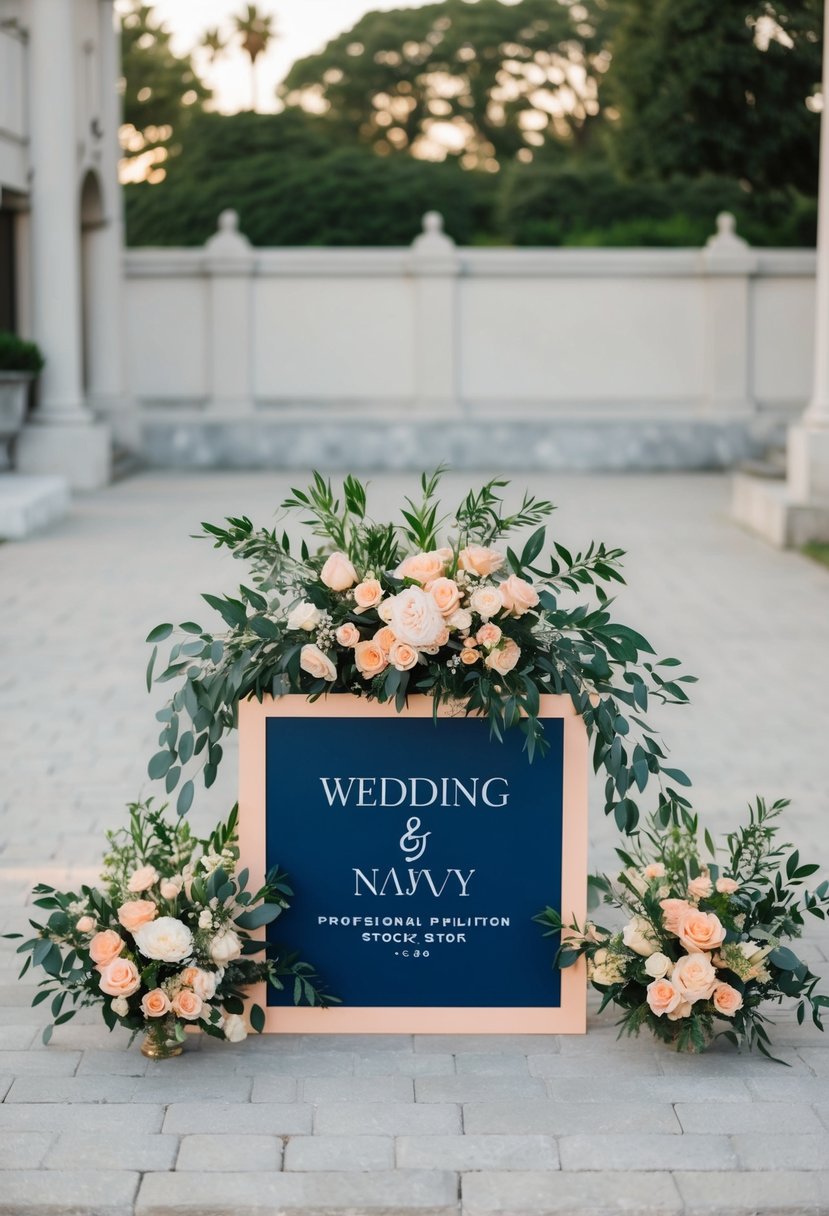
(718, 86)
(482, 81)
(532, 122)
(161, 90)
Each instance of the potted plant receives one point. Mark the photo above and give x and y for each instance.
(20, 363)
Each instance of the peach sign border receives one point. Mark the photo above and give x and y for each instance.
(568, 1018)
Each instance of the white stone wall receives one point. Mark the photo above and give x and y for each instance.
(692, 357)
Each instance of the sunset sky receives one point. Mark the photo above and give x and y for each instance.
(304, 26)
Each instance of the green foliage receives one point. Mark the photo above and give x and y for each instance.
(507, 77)
(17, 355)
(704, 86)
(700, 109)
(277, 171)
(563, 643)
(161, 90)
(549, 204)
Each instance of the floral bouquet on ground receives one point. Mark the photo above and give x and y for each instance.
(164, 943)
(434, 603)
(704, 945)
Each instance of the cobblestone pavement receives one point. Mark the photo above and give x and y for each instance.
(430, 1125)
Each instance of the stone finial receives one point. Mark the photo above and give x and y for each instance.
(433, 240)
(725, 240)
(227, 240)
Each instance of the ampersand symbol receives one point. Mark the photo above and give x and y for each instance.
(412, 844)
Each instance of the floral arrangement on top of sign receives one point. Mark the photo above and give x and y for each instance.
(435, 603)
(703, 945)
(165, 941)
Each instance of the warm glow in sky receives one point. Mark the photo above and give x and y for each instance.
(304, 26)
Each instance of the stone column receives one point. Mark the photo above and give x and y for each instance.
(808, 450)
(63, 437)
(105, 246)
(230, 263)
(435, 266)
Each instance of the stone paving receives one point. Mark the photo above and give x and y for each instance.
(397, 1124)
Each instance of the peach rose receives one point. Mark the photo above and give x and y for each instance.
(403, 656)
(367, 594)
(488, 635)
(683, 1010)
(416, 618)
(446, 594)
(727, 886)
(338, 573)
(470, 655)
(673, 910)
(700, 931)
(694, 976)
(700, 887)
(85, 924)
(143, 879)
(120, 978)
(476, 559)
(187, 1004)
(423, 567)
(662, 997)
(348, 634)
(370, 659)
(135, 913)
(155, 1004)
(727, 1000)
(170, 887)
(654, 870)
(317, 664)
(486, 601)
(385, 639)
(504, 657)
(519, 595)
(105, 946)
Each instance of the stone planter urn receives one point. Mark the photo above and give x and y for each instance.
(20, 364)
(14, 396)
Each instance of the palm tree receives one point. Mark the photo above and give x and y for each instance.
(213, 43)
(256, 31)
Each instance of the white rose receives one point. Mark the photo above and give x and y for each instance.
(658, 965)
(120, 1005)
(753, 951)
(486, 601)
(461, 619)
(317, 664)
(166, 939)
(415, 618)
(225, 947)
(203, 983)
(638, 936)
(304, 616)
(235, 1028)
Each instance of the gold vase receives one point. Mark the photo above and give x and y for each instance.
(159, 1047)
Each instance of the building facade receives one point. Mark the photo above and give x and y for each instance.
(61, 228)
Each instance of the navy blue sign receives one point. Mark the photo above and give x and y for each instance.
(418, 854)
